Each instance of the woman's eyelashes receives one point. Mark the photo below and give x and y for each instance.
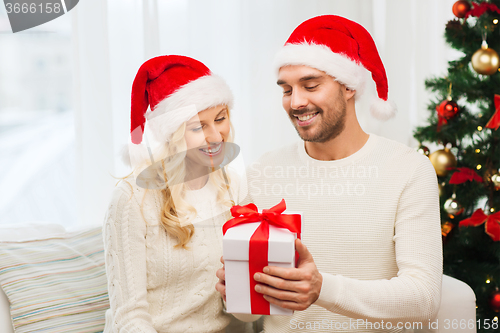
(199, 128)
(196, 129)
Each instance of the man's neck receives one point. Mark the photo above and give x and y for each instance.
(345, 144)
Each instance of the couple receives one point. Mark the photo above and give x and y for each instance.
(373, 260)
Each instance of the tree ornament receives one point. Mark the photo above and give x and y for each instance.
(495, 301)
(481, 8)
(446, 110)
(495, 180)
(494, 122)
(485, 61)
(460, 8)
(452, 207)
(463, 175)
(492, 176)
(423, 150)
(491, 223)
(443, 160)
(446, 228)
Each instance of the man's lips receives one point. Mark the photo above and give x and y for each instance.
(305, 119)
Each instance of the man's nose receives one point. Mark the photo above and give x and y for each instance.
(298, 100)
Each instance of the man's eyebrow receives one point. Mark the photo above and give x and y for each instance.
(310, 77)
(302, 79)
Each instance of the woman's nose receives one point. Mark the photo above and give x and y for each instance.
(212, 135)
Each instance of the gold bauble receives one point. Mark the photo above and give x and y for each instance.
(442, 160)
(485, 60)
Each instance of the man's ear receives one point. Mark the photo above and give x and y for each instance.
(348, 93)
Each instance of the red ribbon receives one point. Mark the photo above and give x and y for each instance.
(463, 175)
(480, 9)
(494, 122)
(492, 223)
(259, 242)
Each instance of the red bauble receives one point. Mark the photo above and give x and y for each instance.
(447, 109)
(495, 301)
(460, 8)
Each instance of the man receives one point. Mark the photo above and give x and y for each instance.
(369, 205)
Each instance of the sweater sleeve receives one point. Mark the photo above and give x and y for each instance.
(414, 294)
(125, 258)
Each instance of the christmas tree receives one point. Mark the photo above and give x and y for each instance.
(464, 123)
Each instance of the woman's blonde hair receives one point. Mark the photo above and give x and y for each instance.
(177, 214)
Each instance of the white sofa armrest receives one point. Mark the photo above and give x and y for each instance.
(458, 306)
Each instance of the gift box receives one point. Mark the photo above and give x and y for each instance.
(253, 240)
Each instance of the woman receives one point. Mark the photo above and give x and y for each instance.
(162, 234)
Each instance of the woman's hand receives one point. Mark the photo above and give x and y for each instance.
(221, 285)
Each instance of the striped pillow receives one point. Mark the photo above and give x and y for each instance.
(57, 284)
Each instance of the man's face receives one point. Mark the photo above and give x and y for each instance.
(314, 102)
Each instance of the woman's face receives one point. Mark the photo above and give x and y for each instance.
(205, 136)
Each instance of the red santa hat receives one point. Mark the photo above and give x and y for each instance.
(175, 88)
(344, 50)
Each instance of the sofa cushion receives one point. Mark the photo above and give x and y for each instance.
(56, 284)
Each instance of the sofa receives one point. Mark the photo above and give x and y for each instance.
(54, 280)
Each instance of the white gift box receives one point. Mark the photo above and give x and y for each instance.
(236, 241)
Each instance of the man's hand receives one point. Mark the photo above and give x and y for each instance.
(290, 288)
(221, 285)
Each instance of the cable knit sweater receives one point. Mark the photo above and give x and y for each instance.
(152, 286)
(371, 222)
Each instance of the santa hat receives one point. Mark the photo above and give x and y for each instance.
(175, 88)
(344, 50)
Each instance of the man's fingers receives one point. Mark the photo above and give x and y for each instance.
(222, 260)
(283, 295)
(304, 254)
(285, 304)
(278, 283)
(284, 273)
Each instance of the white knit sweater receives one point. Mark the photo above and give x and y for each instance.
(371, 222)
(152, 286)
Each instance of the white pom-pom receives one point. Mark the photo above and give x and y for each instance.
(382, 110)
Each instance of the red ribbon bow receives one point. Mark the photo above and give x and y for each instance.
(492, 223)
(480, 9)
(259, 242)
(463, 175)
(494, 122)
